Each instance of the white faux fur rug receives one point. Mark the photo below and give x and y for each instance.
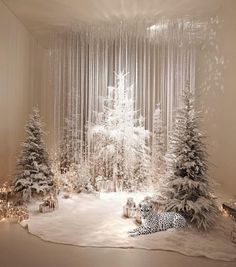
(89, 220)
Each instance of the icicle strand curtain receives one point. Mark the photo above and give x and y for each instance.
(159, 60)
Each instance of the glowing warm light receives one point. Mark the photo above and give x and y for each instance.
(225, 213)
(157, 27)
(7, 209)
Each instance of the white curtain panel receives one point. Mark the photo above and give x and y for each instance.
(159, 57)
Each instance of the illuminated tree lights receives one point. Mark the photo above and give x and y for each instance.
(10, 212)
(7, 210)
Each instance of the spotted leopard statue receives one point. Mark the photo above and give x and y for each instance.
(153, 221)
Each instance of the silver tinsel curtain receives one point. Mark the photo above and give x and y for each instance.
(159, 57)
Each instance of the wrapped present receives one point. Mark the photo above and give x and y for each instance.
(49, 205)
(43, 208)
(129, 210)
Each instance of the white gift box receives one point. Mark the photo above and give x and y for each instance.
(129, 212)
(44, 209)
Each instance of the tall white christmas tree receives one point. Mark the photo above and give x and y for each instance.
(158, 145)
(187, 187)
(34, 175)
(121, 138)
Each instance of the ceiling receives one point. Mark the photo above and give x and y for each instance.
(42, 16)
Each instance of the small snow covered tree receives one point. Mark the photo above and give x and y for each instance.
(67, 155)
(34, 172)
(120, 138)
(158, 145)
(143, 174)
(187, 188)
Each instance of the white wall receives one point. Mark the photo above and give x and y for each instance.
(220, 121)
(21, 60)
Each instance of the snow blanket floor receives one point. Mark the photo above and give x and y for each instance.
(97, 221)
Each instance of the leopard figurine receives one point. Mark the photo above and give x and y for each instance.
(153, 221)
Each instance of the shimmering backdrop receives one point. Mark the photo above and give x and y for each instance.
(158, 55)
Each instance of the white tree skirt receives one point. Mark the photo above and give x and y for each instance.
(89, 220)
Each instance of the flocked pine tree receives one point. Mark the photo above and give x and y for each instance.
(143, 174)
(158, 145)
(34, 175)
(187, 188)
(74, 170)
(120, 138)
(67, 155)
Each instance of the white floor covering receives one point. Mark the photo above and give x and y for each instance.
(96, 221)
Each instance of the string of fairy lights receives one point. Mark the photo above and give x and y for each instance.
(7, 209)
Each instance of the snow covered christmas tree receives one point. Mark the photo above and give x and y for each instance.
(158, 145)
(34, 174)
(68, 155)
(121, 153)
(187, 188)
